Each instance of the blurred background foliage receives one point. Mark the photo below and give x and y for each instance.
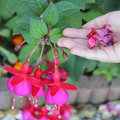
(15, 18)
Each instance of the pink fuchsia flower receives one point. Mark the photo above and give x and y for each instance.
(26, 115)
(65, 111)
(38, 91)
(20, 83)
(31, 111)
(56, 92)
(49, 73)
(103, 35)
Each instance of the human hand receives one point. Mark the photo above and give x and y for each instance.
(77, 40)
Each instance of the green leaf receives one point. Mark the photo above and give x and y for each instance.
(65, 8)
(25, 52)
(29, 38)
(51, 16)
(55, 34)
(91, 14)
(12, 58)
(81, 3)
(108, 5)
(5, 33)
(38, 28)
(74, 66)
(38, 6)
(74, 19)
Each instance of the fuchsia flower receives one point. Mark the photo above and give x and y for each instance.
(103, 35)
(56, 92)
(49, 73)
(65, 111)
(31, 112)
(38, 91)
(20, 83)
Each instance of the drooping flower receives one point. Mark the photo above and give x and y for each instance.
(38, 91)
(31, 112)
(65, 111)
(20, 83)
(49, 73)
(103, 35)
(56, 92)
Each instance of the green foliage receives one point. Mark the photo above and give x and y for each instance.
(38, 28)
(51, 16)
(35, 19)
(109, 70)
(26, 50)
(12, 58)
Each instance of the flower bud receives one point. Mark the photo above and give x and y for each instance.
(65, 56)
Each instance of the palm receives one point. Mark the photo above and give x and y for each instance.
(77, 40)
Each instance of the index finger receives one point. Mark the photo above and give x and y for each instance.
(76, 33)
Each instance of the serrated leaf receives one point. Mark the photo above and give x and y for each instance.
(29, 38)
(12, 58)
(81, 3)
(91, 14)
(55, 34)
(74, 19)
(65, 8)
(38, 28)
(25, 52)
(51, 16)
(38, 6)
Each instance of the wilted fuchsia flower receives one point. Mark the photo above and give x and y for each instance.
(65, 111)
(103, 35)
(38, 91)
(56, 92)
(20, 83)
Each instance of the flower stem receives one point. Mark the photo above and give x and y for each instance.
(40, 59)
(28, 59)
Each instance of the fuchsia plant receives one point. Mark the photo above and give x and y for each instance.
(25, 84)
(103, 35)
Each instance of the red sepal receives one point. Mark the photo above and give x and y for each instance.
(50, 64)
(67, 86)
(11, 70)
(35, 90)
(16, 80)
(47, 72)
(30, 71)
(54, 89)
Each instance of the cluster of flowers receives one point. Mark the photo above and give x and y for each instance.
(47, 112)
(31, 81)
(103, 35)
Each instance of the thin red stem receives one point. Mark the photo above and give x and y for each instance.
(35, 48)
(40, 59)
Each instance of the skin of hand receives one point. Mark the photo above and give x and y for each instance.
(76, 40)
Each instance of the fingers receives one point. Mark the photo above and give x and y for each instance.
(70, 43)
(76, 33)
(96, 23)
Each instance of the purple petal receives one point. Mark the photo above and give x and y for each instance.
(48, 97)
(22, 89)
(10, 88)
(61, 97)
(27, 116)
(41, 92)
